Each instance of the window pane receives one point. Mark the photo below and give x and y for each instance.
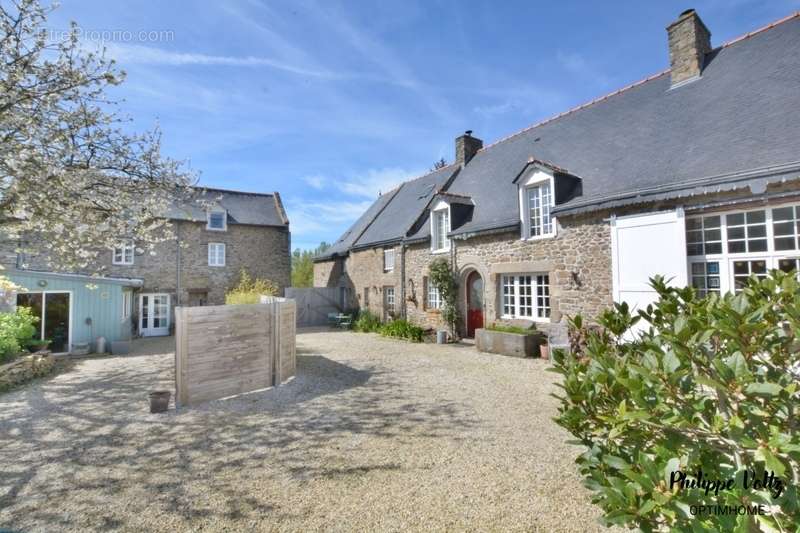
(712, 222)
(736, 232)
(736, 247)
(694, 236)
(694, 249)
(735, 219)
(756, 231)
(542, 296)
(714, 248)
(784, 228)
(785, 243)
(788, 265)
(757, 245)
(694, 223)
(783, 213)
(756, 217)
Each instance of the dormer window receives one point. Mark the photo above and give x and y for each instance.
(440, 227)
(217, 220)
(536, 202)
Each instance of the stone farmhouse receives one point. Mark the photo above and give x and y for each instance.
(693, 173)
(138, 291)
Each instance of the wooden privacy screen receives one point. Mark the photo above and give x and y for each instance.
(224, 350)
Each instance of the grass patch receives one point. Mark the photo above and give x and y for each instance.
(511, 329)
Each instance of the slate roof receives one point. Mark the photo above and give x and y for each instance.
(739, 122)
(255, 209)
(390, 217)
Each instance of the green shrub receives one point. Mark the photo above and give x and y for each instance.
(402, 329)
(16, 332)
(511, 329)
(367, 322)
(712, 385)
(249, 290)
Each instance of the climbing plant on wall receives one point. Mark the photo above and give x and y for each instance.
(444, 279)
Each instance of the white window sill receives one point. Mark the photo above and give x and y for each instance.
(216, 266)
(539, 237)
(216, 229)
(122, 264)
(545, 320)
(442, 251)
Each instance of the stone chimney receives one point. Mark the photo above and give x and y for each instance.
(689, 42)
(466, 147)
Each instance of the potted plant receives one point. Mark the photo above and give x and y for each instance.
(38, 345)
(544, 346)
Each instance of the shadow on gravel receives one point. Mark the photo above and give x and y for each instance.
(83, 451)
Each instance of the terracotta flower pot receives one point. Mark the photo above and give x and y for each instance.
(544, 351)
(159, 401)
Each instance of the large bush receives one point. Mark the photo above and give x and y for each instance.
(711, 385)
(402, 329)
(16, 332)
(249, 290)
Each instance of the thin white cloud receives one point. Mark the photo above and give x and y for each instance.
(318, 182)
(313, 221)
(576, 64)
(129, 54)
(376, 181)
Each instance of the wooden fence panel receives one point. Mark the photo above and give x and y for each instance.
(227, 350)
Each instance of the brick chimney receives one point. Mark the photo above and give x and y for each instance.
(466, 147)
(689, 42)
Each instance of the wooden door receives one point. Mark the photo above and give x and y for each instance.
(474, 303)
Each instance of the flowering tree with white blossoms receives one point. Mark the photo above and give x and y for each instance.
(70, 176)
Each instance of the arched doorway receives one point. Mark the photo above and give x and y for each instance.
(474, 288)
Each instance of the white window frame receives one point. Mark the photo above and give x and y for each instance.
(438, 210)
(213, 254)
(127, 248)
(127, 304)
(726, 259)
(536, 179)
(217, 211)
(538, 313)
(433, 299)
(388, 301)
(388, 259)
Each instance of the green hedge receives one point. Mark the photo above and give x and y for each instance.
(711, 386)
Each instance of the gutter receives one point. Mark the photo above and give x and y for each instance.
(594, 203)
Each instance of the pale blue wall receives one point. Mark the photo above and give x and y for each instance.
(103, 304)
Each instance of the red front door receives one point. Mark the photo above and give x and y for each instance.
(474, 303)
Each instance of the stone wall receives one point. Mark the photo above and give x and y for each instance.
(263, 251)
(577, 260)
(364, 273)
(328, 273)
(418, 260)
(25, 368)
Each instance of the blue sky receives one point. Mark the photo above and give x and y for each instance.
(331, 102)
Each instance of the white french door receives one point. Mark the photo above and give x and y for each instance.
(154, 315)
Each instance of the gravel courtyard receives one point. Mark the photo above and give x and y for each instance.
(373, 434)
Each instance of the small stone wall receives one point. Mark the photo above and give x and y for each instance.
(26, 368)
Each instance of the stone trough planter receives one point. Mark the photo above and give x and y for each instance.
(512, 344)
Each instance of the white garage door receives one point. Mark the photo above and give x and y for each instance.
(643, 246)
